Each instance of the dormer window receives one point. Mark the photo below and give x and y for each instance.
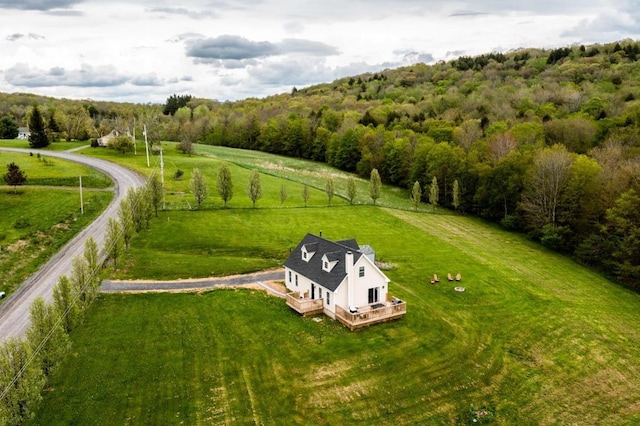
(308, 250)
(329, 260)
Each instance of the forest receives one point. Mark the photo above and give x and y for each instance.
(543, 142)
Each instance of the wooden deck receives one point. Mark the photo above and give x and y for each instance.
(369, 315)
(303, 306)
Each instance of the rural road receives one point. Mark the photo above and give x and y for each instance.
(14, 311)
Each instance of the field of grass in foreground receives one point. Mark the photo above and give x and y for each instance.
(535, 339)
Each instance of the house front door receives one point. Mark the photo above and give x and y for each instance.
(313, 291)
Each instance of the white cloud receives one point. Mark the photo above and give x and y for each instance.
(144, 50)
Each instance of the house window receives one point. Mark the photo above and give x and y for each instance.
(296, 280)
(361, 272)
(328, 298)
(325, 265)
(374, 295)
(319, 293)
(304, 255)
(289, 276)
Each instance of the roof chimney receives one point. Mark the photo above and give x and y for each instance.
(350, 281)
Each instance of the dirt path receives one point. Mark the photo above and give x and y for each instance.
(257, 279)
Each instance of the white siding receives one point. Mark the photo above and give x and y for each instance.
(373, 277)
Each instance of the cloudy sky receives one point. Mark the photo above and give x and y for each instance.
(144, 50)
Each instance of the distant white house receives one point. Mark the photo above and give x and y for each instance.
(23, 133)
(104, 140)
(341, 280)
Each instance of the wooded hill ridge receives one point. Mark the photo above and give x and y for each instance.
(545, 142)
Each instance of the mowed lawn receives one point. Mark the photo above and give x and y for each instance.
(534, 339)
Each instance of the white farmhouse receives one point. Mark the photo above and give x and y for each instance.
(341, 280)
(23, 133)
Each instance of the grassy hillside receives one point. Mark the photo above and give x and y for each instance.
(42, 216)
(534, 339)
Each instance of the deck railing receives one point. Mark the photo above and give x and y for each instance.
(390, 311)
(304, 306)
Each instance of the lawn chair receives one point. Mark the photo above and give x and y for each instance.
(458, 277)
(435, 278)
(449, 277)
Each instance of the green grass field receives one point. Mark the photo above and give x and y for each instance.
(275, 171)
(535, 338)
(54, 146)
(45, 213)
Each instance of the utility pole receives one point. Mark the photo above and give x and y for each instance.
(146, 145)
(164, 207)
(81, 200)
(134, 136)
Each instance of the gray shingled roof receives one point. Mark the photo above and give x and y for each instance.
(313, 269)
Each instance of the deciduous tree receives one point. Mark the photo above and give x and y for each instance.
(225, 184)
(21, 381)
(434, 192)
(45, 333)
(455, 202)
(199, 186)
(122, 144)
(283, 194)
(375, 185)
(330, 189)
(305, 194)
(65, 303)
(545, 184)
(113, 243)
(154, 191)
(254, 190)
(125, 216)
(416, 194)
(352, 189)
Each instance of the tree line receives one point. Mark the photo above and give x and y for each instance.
(545, 142)
(27, 364)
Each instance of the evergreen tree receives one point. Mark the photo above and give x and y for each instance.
(14, 176)
(38, 137)
(8, 128)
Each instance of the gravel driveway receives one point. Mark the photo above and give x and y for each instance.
(109, 286)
